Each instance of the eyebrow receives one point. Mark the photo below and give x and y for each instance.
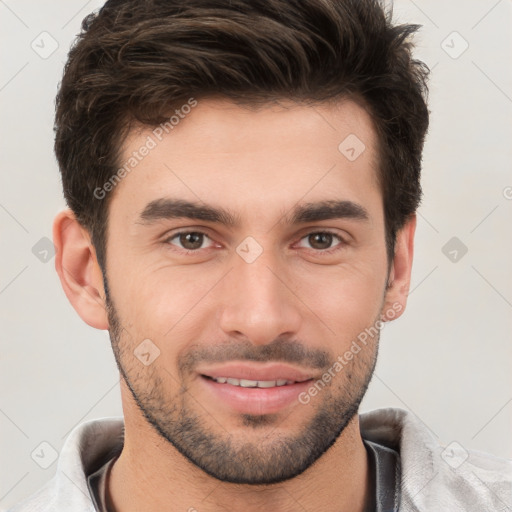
(168, 208)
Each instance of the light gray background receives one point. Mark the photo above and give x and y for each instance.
(448, 359)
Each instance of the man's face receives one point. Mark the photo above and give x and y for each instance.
(269, 294)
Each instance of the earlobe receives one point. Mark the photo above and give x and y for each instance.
(78, 270)
(400, 273)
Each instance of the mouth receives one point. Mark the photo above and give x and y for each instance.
(246, 383)
(256, 389)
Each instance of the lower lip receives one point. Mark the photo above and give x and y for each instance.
(255, 400)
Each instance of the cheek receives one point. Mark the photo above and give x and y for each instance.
(346, 300)
(164, 303)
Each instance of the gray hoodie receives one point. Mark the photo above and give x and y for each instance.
(433, 478)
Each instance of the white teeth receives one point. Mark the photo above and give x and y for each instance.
(248, 383)
(266, 383)
(245, 383)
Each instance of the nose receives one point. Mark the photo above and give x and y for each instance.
(258, 302)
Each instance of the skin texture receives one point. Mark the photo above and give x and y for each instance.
(295, 303)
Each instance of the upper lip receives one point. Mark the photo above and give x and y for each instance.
(253, 371)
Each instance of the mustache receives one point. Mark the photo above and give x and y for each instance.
(277, 351)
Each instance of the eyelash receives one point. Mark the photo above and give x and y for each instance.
(337, 247)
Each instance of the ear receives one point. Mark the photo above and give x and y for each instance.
(399, 280)
(78, 269)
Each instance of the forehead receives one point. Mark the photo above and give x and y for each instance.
(282, 153)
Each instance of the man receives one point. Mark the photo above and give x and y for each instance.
(242, 180)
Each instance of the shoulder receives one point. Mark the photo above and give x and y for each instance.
(438, 476)
(85, 447)
(40, 501)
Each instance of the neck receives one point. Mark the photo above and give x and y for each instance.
(150, 474)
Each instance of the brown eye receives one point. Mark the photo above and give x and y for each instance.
(320, 240)
(188, 240)
(323, 241)
(191, 241)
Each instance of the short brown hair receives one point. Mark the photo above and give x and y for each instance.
(137, 60)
